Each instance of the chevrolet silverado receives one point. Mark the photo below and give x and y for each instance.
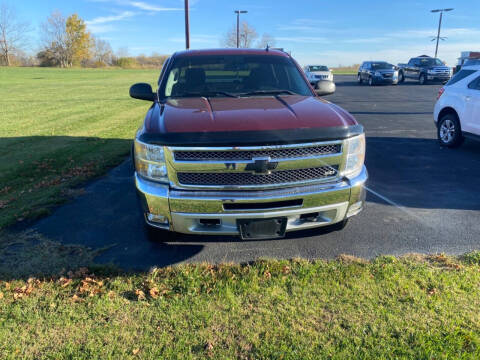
(237, 142)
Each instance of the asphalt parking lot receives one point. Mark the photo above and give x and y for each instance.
(422, 198)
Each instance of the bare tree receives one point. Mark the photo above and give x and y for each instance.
(266, 40)
(247, 36)
(13, 33)
(55, 38)
(103, 52)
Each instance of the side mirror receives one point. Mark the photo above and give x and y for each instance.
(142, 91)
(325, 87)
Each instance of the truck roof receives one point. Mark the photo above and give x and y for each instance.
(230, 51)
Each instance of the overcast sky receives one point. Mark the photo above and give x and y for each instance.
(317, 32)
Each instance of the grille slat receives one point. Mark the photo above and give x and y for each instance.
(246, 178)
(250, 154)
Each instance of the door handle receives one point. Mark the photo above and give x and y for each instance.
(467, 98)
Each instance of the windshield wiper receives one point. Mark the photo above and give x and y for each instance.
(207, 94)
(268, 92)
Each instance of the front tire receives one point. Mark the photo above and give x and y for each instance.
(154, 234)
(339, 226)
(422, 79)
(401, 77)
(359, 79)
(370, 81)
(449, 131)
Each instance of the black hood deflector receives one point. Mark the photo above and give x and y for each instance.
(252, 138)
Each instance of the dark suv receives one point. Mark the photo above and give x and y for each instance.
(377, 72)
(424, 69)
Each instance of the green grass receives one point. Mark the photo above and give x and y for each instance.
(58, 128)
(345, 72)
(391, 308)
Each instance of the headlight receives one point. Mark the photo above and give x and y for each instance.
(430, 71)
(150, 161)
(355, 149)
(377, 73)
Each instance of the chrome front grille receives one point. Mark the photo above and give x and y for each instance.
(288, 153)
(247, 179)
(254, 167)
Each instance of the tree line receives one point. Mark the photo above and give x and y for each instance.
(67, 42)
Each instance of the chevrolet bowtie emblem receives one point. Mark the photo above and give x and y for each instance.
(261, 166)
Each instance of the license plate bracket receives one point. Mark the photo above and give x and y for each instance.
(262, 228)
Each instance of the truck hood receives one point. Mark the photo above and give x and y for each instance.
(263, 113)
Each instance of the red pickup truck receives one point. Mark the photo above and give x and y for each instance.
(237, 142)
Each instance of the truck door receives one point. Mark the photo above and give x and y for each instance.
(407, 69)
(415, 69)
(471, 120)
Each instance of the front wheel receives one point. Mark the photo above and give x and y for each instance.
(422, 79)
(370, 81)
(339, 226)
(449, 131)
(359, 79)
(154, 234)
(401, 77)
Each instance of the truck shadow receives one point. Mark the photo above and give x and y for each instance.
(419, 173)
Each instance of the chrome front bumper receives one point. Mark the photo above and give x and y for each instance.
(203, 212)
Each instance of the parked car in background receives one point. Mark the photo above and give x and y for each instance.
(236, 142)
(457, 110)
(314, 73)
(377, 72)
(425, 69)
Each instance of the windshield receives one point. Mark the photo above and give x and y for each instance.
(381, 66)
(233, 75)
(431, 62)
(318, 68)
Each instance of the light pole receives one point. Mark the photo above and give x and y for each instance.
(187, 27)
(238, 12)
(439, 25)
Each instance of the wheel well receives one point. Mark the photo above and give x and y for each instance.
(447, 111)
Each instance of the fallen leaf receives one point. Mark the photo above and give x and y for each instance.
(154, 292)
(64, 281)
(1, 295)
(267, 274)
(135, 351)
(140, 294)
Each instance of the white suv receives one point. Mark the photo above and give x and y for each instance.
(316, 73)
(457, 110)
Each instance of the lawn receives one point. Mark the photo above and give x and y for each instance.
(58, 128)
(390, 308)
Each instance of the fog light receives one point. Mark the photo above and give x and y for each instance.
(157, 219)
(354, 209)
